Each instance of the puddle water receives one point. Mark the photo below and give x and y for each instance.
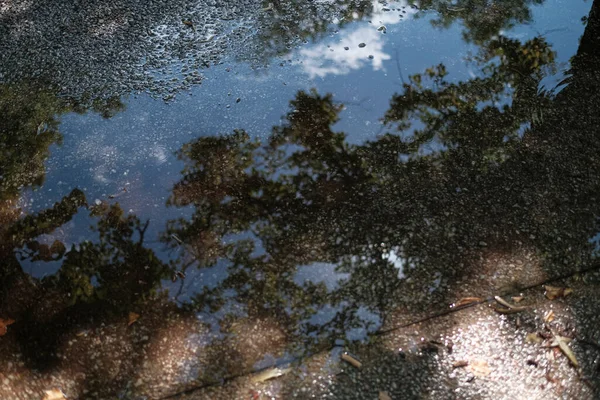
(283, 178)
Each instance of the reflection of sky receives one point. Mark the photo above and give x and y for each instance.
(320, 272)
(135, 149)
(342, 54)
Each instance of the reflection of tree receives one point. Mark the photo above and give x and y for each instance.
(118, 270)
(491, 160)
(482, 19)
(29, 126)
(27, 129)
(474, 170)
(288, 23)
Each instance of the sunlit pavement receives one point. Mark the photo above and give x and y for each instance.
(475, 350)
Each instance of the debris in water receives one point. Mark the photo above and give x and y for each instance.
(269, 374)
(4, 323)
(132, 317)
(466, 301)
(351, 360)
(384, 396)
(189, 23)
(553, 292)
(460, 364)
(479, 367)
(510, 309)
(533, 338)
(176, 238)
(564, 347)
(54, 394)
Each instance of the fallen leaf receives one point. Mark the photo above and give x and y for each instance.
(549, 317)
(510, 309)
(517, 299)
(513, 310)
(567, 350)
(54, 394)
(467, 300)
(505, 303)
(132, 318)
(533, 338)
(4, 323)
(554, 292)
(351, 360)
(479, 367)
(269, 374)
(562, 341)
(460, 364)
(384, 396)
(554, 342)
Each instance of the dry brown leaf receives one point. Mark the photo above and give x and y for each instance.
(533, 338)
(549, 317)
(467, 300)
(351, 360)
(269, 374)
(384, 396)
(4, 323)
(132, 318)
(54, 394)
(554, 292)
(567, 351)
(562, 341)
(517, 299)
(460, 364)
(479, 368)
(507, 304)
(513, 310)
(554, 342)
(510, 309)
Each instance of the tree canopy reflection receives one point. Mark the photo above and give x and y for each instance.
(464, 163)
(482, 19)
(492, 160)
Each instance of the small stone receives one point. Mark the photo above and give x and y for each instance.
(361, 45)
(346, 48)
(370, 57)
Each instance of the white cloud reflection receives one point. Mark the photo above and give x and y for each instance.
(332, 57)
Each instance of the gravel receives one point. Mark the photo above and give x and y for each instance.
(100, 49)
(90, 49)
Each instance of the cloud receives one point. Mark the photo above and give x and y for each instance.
(332, 58)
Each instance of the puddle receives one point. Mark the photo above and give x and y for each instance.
(275, 179)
